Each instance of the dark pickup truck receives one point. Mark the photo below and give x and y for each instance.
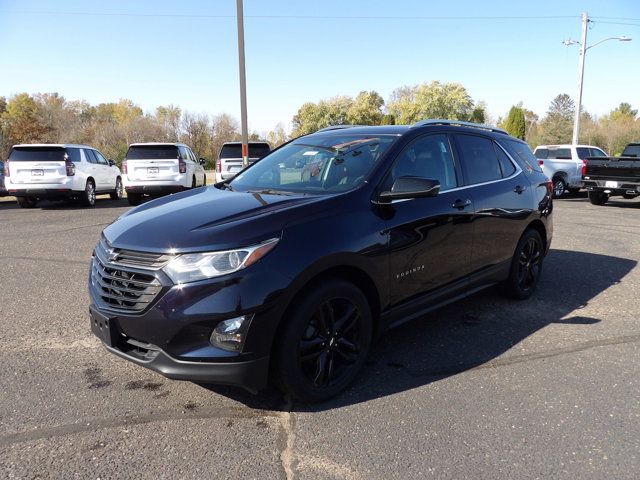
(607, 176)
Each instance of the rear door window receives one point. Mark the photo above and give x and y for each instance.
(152, 152)
(596, 152)
(583, 152)
(479, 159)
(91, 158)
(37, 154)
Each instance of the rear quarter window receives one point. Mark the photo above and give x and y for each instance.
(259, 151)
(521, 153)
(231, 151)
(74, 155)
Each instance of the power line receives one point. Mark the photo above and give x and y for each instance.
(618, 18)
(295, 17)
(617, 23)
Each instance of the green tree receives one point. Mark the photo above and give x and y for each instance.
(431, 100)
(366, 109)
(515, 123)
(21, 120)
(169, 119)
(557, 126)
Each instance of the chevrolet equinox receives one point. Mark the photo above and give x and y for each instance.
(288, 272)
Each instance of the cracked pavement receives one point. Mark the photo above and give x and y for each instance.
(484, 388)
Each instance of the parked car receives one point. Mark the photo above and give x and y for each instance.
(271, 276)
(564, 165)
(3, 190)
(60, 171)
(607, 176)
(159, 169)
(230, 160)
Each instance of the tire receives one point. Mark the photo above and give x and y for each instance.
(204, 180)
(134, 199)
(88, 197)
(118, 192)
(27, 202)
(193, 182)
(598, 198)
(526, 266)
(331, 325)
(559, 187)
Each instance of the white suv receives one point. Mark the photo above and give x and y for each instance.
(230, 160)
(564, 165)
(57, 172)
(160, 168)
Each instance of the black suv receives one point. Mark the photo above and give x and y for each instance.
(289, 271)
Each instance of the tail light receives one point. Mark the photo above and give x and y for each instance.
(584, 167)
(219, 166)
(550, 187)
(7, 172)
(182, 165)
(541, 162)
(71, 168)
(124, 167)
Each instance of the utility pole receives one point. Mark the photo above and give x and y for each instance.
(583, 51)
(243, 85)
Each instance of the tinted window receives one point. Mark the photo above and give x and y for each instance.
(101, 159)
(37, 154)
(74, 155)
(427, 157)
(596, 152)
(542, 153)
(521, 152)
(583, 152)
(152, 152)
(91, 158)
(631, 151)
(506, 165)
(259, 150)
(233, 150)
(560, 153)
(183, 153)
(316, 164)
(479, 158)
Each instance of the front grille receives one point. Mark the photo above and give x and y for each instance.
(119, 283)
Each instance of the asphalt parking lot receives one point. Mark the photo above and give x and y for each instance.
(486, 388)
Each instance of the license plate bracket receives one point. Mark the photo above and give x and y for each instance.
(103, 327)
(611, 184)
(152, 170)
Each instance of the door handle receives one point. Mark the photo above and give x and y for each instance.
(519, 189)
(460, 204)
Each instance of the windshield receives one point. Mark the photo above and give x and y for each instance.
(316, 164)
(37, 154)
(152, 152)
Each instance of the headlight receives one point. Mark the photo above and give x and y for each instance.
(192, 267)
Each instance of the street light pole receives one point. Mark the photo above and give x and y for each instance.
(583, 51)
(243, 85)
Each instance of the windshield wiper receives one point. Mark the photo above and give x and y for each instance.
(270, 191)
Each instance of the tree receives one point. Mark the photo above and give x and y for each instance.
(431, 100)
(515, 123)
(557, 126)
(624, 110)
(196, 132)
(169, 119)
(314, 116)
(277, 136)
(21, 121)
(366, 109)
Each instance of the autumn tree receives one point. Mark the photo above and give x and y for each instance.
(21, 120)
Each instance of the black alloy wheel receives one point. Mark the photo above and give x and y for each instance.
(559, 187)
(526, 266)
(118, 193)
(324, 341)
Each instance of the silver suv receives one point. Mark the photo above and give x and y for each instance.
(230, 158)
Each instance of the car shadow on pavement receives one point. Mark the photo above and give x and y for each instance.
(470, 334)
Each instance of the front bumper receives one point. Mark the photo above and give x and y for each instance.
(171, 335)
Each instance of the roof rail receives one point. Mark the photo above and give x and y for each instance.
(337, 127)
(423, 123)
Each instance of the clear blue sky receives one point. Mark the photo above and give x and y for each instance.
(185, 53)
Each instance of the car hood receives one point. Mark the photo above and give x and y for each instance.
(204, 219)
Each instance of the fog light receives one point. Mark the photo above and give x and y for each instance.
(230, 334)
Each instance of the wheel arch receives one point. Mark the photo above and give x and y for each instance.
(540, 227)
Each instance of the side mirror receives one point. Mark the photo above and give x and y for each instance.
(111, 163)
(410, 187)
(202, 161)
